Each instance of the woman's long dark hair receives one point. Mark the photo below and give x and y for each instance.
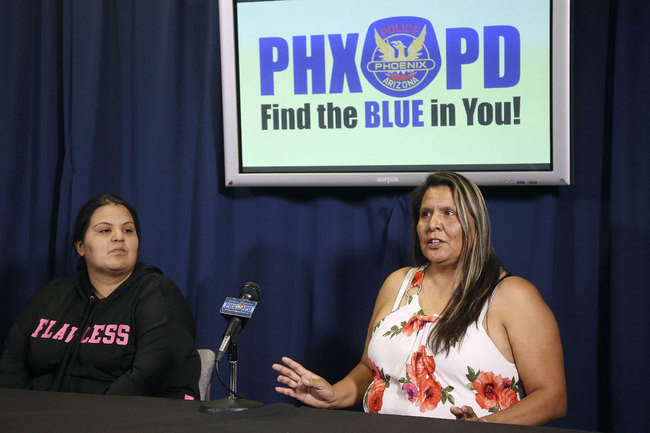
(478, 268)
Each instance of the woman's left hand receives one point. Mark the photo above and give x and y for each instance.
(465, 413)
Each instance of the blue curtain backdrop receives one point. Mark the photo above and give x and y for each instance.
(123, 96)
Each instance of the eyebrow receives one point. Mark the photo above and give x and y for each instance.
(443, 206)
(109, 224)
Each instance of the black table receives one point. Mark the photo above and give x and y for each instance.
(40, 411)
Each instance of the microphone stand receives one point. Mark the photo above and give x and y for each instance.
(234, 402)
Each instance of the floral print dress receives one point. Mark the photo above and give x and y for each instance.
(409, 380)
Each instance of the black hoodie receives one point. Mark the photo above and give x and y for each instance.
(137, 341)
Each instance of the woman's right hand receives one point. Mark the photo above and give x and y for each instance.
(303, 384)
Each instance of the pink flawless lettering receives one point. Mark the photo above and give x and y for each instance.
(97, 334)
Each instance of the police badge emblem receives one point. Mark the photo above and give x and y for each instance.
(400, 55)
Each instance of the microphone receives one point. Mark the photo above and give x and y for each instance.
(239, 311)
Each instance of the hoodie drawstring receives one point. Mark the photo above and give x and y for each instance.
(64, 375)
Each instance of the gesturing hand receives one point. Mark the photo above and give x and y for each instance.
(303, 384)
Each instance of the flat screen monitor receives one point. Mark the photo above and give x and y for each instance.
(383, 92)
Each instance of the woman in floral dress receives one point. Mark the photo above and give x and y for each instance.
(456, 336)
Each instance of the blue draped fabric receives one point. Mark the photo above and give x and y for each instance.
(123, 96)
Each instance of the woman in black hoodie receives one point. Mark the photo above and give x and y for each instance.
(117, 327)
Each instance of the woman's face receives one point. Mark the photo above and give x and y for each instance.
(110, 245)
(439, 230)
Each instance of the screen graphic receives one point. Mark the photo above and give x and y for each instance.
(327, 87)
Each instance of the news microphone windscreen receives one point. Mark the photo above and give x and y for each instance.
(250, 291)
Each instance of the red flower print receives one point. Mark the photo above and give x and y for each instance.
(422, 366)
(487, 388)
(494, 392)
(507, 395)
(376, 396)
(375, 393)
(416, 323)
(421, 373)
(418, 278)
(507, 398)
(429, 396)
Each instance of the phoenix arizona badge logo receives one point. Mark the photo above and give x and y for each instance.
(400, 55)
